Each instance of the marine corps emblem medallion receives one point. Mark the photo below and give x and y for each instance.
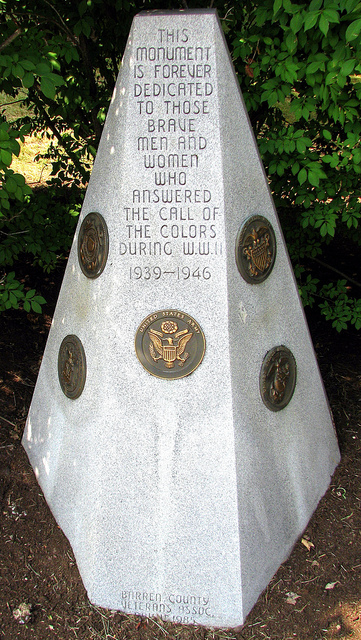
(170, 344)
(255, 249)
(278, 378)
(72, 367)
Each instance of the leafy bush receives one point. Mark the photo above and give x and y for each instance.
(41, 228)
(13, 296)
(299, 68)
(300, 71)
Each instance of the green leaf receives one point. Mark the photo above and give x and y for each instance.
(56, 79)
(18, 293)
(11, 185)
(287, 5)
(13, 299)
(302, 176)
(315, 66)
(48, 87)
(30, 294)
(27, 306)
(313, 179)
(301, 145)
(311, 20)
(323, 230)
(42, 69)
(28, 80)
(350, 5)
(35, 306)
(324, 24)
(82, 8)
(327, 134)
(296, 22)
(348, 67)
(291, 41)
(28, 65)
(276, 6)
(353, 30)
(315, 5)
(18, 71)
(331, 15)
(6, 157)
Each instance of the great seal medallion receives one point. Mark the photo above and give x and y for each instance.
(255, 249)
(72, 367)
(278, 378)
(170, 344)
(93, 245)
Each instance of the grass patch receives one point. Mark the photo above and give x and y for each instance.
(36, 172)
(13, 108)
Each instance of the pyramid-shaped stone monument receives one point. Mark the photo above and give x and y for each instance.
(179, 427)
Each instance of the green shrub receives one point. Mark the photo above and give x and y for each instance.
(40, 229)
(299, 66)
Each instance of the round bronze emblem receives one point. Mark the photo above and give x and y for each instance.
(278, 378)
(170, 344)
(93, 245)
(72, 367)
(255, 249)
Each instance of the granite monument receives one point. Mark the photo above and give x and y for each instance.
(179, 427)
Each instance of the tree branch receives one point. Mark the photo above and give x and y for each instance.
(340, 273)
(10, 39)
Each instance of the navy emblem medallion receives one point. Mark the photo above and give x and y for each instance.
(255, 249)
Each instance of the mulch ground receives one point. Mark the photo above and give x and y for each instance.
(315, 595)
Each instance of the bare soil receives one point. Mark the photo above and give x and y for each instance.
(315, 595)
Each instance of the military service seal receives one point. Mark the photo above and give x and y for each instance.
(72, 367)
(170, 344)
(255, 249)
(93, 245)
(278, 378)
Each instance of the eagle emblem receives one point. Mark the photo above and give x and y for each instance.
(169, 344)
(258, 251)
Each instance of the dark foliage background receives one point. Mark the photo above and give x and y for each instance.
(299, 69)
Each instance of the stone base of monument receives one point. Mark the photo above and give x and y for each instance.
(179, 427)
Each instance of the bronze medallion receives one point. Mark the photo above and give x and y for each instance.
(278, 378)
(93, 245)
(72, 367)
(170, 344)
(255, 249)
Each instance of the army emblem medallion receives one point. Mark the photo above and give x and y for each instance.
(255, 249)
(278, 378)
(72, 367)
(170, 344)
(93, 245)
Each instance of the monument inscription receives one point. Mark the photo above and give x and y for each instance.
(174, 210)
(176, 607)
